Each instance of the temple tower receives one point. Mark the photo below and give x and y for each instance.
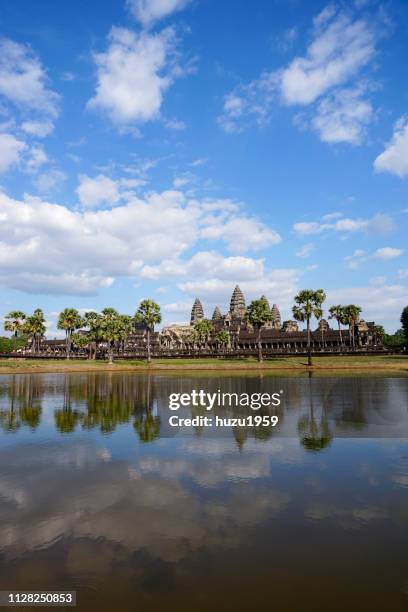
(237, 305)
(197, 312)
(276, 317)
(264, 299)
(217, 316)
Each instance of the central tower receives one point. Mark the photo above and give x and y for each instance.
(237, 305)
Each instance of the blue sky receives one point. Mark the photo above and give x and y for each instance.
(173, 148)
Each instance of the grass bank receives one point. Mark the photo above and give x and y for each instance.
(375, 363)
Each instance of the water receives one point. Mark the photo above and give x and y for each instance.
(100, 495)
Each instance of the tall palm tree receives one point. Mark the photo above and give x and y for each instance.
(113, 328)
(92, 321)
(148, 314)
(222, 338)
(203, 330)
(258, 314)
(34, 327)
(337, 312)
(308, 304)
(69, 320)
(14, 323)
(352, 317)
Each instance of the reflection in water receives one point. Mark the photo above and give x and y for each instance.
(99, 494)
(314, 409)
(314, 435)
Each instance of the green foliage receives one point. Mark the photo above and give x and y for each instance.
(395, 341)
(69, 320)
(352, 314)
(8, 345)
(80, 340)
(337, 312)
(34, 327)
(404, 323)
(92, 321)
(308, 304)
(258, 313)
(113, 326)
(203, 330)
(223, 338)
(14, 322)
(148, 314)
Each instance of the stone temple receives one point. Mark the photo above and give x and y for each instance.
(277, 336)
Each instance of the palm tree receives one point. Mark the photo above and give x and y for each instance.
(113, 328)
(92, 321)
(352, 317)
(308, 304)
(222, 338)
(404, 323)
(127, 322)
(337, 312)
(203, 330)
(34, 327)
(69, 320)
(258, 314)
(148, 314)
(379, 334)
(14, 323)
(80, 341)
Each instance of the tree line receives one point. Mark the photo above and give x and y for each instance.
(108, 326)
(113, 328)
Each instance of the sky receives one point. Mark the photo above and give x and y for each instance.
(169, 149)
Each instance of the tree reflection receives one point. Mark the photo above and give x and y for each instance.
(146, 423)
(314, 435)
(24, 399)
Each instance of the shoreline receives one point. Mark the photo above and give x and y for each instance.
(394, 363)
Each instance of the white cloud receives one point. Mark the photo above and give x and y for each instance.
(23, 80)
(279, 285)
(36, 158)
(403, 273)
(207, 263)
(93, 192)
(340, 48)
(354, 260)
(388, 253)
(10, 151)
(287, 40)
(305, 251)
(41, 129)
(133, 75)
(150, 11)
(75, 252)
(242, 234)
(342, 116)
(394, 158)
(175, 124)
(328, 78)
(180, 308)
(50, 180)
(359, 256)
(379, 224)
(332, 216)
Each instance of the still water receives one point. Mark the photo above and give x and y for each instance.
(100, 495)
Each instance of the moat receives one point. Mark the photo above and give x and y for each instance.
(99, 494)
